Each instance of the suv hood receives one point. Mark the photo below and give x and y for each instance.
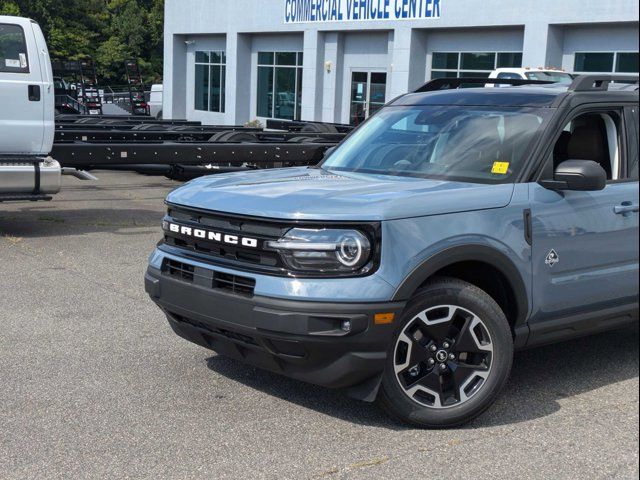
(315, 194)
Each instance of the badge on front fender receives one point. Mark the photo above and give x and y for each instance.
(552, 258)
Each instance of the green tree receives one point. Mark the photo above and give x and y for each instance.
(9, 8)
(134, 31)
(107, 31)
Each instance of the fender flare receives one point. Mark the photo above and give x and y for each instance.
(466, 253)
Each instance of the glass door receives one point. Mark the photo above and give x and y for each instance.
(378, 89)
(368, 95)
(359, 97)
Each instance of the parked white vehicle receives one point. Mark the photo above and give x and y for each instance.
(27, 114)
(545, 74)
(155, 102)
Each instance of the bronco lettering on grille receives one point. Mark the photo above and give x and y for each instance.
(210, 235)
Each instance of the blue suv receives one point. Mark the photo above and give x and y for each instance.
(453, 227)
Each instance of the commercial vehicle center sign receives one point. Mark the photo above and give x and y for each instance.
(326, 11)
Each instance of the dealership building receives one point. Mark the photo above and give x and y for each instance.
(231, 61)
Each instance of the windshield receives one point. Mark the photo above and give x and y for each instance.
(557, 77)
(470, 144)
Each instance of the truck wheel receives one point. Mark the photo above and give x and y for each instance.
(233, 136)
(450, 356)
(301, 140)
(319, 128)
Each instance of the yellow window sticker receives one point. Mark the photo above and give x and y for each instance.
(500, 168)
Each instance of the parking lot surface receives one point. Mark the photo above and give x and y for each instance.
(94, 384)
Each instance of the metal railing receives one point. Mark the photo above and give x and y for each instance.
(68, 102)
(121, 96)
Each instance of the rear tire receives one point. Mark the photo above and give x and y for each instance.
(450, 357)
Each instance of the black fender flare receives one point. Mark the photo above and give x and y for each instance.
(466, 253)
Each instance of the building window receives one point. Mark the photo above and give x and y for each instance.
(279, 85)
(606, 62)
(210, 81)
(627, 62)
(472, 64)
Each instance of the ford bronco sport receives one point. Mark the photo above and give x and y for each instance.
(452, 228)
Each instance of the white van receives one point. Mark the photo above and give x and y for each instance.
(155, 102)
(27, 108)
(545, 74)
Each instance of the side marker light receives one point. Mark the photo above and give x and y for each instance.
(384, 318)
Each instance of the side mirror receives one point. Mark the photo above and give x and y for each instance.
(578, 175)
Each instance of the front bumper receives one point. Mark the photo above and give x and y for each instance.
(299, 339)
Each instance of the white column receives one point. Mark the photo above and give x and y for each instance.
(174, 90)
(332, 80)
(311, 76)
(400, 55)
(535, 45)
(167, 74)
(418, 59)
(238, 79)
(555, 46)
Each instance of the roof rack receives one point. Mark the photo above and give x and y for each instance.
(599, 83)
(453, 83)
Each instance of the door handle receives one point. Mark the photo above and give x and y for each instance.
(34, 93)
(626, 207)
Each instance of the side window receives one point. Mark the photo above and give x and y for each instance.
(13, 49)
(632, 167)
(592, 136)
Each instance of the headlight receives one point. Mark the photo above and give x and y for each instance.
(326, 250)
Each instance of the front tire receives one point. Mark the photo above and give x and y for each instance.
(450, 357)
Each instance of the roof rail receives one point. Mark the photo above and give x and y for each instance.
(598, 83)
(453, 83)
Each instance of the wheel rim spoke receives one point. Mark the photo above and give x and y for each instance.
(431, 382)
(462, 375)
(439, 332)
(430, 387)
(437, 322)
(416, 353)
(468, 340)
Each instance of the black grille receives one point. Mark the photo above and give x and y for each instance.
(179, 270)
(233, 283)
(251, 257)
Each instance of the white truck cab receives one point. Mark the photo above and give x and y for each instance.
(545, 74)
(27, 111)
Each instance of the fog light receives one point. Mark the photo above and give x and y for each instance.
(346, 326)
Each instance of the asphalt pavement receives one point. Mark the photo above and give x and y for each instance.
(94, 384)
